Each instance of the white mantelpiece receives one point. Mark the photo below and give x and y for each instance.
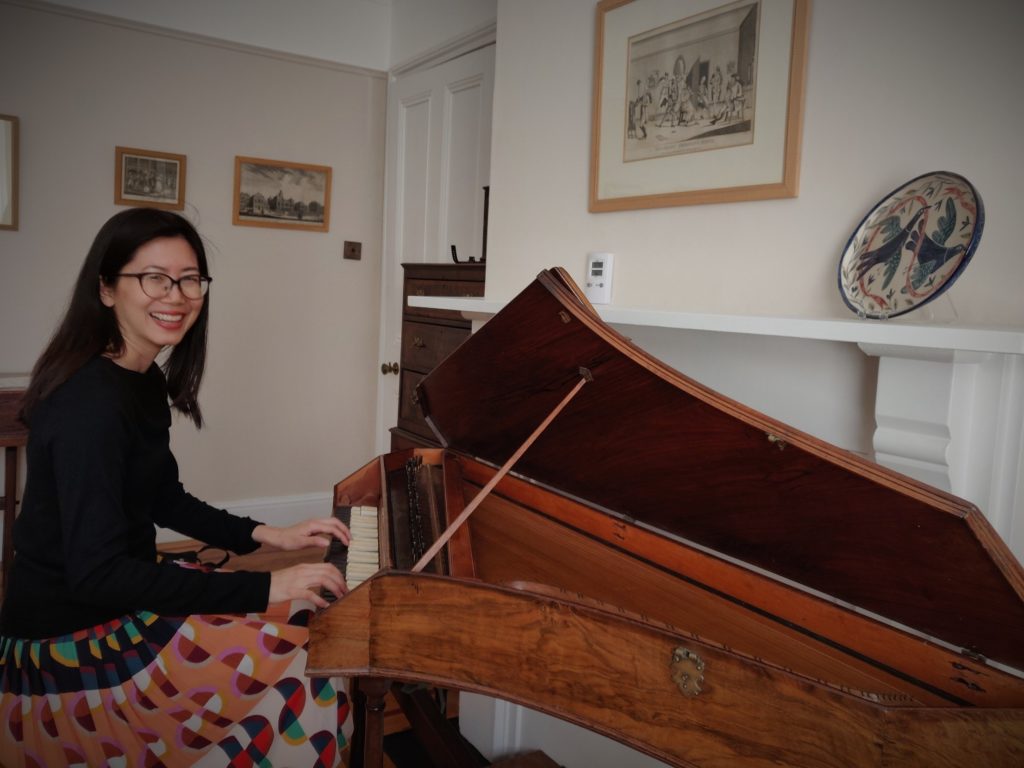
(955, 419)
(949, 400)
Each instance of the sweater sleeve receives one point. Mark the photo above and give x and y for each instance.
(184, 513)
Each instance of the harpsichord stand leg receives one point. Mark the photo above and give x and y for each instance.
(368, 721)
(439, 738)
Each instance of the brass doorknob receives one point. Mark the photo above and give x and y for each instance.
(387, 368)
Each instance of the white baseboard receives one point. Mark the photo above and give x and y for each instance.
(278, 511)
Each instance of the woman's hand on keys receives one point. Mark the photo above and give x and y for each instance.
(306, 581)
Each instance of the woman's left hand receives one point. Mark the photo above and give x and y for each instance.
(317, 532)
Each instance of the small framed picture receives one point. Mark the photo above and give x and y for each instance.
(273, 193)
(8, 172)
(152, 179)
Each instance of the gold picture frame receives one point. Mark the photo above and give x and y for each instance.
(275, 193)
(149, 179)
(696, 102)
(9, 127)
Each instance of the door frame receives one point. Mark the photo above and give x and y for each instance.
(391, 270)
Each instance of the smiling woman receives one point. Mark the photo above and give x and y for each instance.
(150, 312)
(133, 237)
(94, 623)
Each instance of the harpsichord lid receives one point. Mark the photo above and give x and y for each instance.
(643, 441)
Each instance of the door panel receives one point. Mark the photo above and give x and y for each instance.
(411, 206)
(466, 165)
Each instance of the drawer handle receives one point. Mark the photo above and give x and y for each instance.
(418, 342)
(387, 368)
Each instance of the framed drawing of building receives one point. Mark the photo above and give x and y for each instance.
(274, 193)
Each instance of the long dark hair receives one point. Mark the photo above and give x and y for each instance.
(90, 328)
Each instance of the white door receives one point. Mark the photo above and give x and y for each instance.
(438, 162)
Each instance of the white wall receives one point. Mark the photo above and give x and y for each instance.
(873, 120)
(376, 34)
(418, 25)
(355, 32)
(292, 372)
(893, 90)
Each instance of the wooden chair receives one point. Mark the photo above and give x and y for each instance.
(13, 435)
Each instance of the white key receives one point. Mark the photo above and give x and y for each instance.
(364, 549)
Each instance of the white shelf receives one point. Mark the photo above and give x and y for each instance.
(898, 332)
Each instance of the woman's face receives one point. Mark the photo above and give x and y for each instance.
(150, 324)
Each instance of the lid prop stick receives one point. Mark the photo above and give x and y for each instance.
(585, 376)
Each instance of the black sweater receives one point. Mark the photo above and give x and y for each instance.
(100, 475)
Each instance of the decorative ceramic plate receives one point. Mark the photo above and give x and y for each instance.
(911, 246)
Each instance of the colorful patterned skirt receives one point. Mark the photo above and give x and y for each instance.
(148, 690)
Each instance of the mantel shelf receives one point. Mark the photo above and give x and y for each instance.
(897, 333)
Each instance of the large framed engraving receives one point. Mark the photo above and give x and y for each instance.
(696, 101)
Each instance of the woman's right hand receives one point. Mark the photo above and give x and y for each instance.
(304, 582)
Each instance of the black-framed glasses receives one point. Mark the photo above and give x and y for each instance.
(217, 559)
(157, 285)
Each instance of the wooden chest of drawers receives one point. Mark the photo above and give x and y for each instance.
(428, 336)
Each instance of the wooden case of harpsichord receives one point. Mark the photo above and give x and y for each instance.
(676, 571)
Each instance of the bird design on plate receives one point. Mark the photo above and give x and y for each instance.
(911, 246)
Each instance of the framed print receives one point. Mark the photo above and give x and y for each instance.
(8, 172)
(272, 193)
(696, 101)
(151, 179)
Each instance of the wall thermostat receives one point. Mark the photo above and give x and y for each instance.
(598, 289)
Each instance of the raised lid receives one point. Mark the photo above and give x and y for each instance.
(646, 442)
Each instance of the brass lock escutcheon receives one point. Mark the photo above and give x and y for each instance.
(687, 671)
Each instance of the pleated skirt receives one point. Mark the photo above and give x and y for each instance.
(148, 690)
